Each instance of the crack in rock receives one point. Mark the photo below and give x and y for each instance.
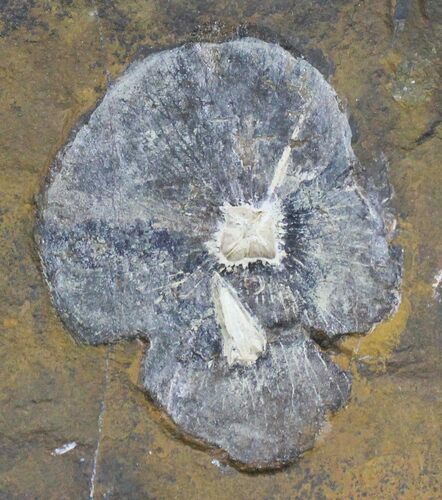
(209, 204)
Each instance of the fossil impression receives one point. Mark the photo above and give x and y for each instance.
(208, 205)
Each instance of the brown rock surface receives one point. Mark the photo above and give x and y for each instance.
(53, 392)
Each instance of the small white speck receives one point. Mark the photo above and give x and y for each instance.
(216, 462)
(64, 449)
(437, 281)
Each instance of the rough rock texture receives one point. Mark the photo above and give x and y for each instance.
(128, 221)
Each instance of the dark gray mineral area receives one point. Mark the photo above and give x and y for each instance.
(209, 205)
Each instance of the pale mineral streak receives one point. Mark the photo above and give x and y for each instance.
(66, 448)
(208, 204)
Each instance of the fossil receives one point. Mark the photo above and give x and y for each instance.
(208, 204)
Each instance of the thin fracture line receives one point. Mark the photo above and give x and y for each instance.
(106, 367)
(100, 425)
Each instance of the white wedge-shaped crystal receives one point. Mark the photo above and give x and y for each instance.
(243, 338)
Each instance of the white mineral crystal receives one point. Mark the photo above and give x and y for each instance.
(243, 338)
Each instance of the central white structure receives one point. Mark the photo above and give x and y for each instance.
(249, 234)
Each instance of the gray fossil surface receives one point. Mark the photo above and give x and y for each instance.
(208, 204)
